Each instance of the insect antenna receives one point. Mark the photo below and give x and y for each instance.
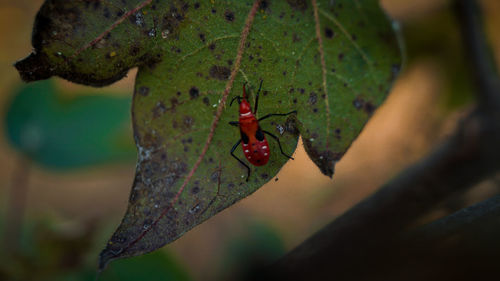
(244, 90)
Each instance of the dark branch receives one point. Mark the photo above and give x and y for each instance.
(484, 213)
(481, 59)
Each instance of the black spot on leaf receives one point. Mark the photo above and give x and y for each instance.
(297, 4)
(195, 190)
(360, 104)
(369, 108)
(159, 109)
(214, 177)
(329, 33)
(143, 91)
(313, 98)
(194, 92)
(134, 50)
(229, 15)
(394, 71)
(106, 13)
(295, 38)
(219, 72)
(337, 133)
(188, 121)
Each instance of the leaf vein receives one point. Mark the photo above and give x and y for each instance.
(365, 57)
(194, 52)
(299, 58)
(113, 26)
(323, 70)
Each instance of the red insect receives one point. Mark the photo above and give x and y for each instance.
(253, 141)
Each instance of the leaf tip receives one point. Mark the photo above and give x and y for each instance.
(325, 160)
(33, 68)
(105, 257)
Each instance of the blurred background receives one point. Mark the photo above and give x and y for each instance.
(65, 176)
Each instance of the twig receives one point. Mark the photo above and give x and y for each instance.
(461, 221)
(461, 246)
(16, 204)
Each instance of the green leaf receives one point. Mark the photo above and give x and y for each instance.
(63, 133)
(188, 53)
(157, 266)
(258, 246)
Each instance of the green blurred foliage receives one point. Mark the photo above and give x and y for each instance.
(157, 266)
(63, 133)
(436, 36)
(48, 251)
(44, 253)
(259, 245)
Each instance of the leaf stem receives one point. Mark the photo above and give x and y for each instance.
(323, 69)
(16, 205)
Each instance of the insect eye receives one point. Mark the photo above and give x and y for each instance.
(259, 135)
(244, 137)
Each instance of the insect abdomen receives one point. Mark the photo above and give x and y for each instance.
(256, 152)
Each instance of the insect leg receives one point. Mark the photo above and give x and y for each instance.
(279, 144)
(239, 160)
(257, 98)
(234, 123)
(237, 97)
(276, 114)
